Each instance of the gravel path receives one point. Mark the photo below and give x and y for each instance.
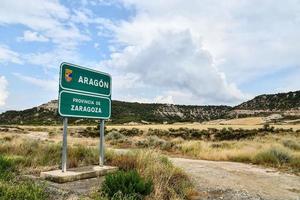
(231, 180)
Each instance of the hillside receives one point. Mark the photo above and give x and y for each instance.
(287, 104)
(122, 112)
(273, 102)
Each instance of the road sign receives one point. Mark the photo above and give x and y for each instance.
(74, 104)
(79, 79)
(83, 92)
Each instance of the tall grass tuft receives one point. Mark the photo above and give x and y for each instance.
(22, 190)
(127, 183)
(6, 168)
(291, 144)
(169, 181)
(274, 156)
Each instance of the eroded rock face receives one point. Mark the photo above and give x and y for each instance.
(192, 113)
(51, 106)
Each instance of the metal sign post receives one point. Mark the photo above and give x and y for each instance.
(83, 93)
(101, 145)
(64, 147)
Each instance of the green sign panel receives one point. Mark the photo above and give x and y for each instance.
(80, 79)
(83, 92)
(83, 105)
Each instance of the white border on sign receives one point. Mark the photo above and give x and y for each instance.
(82, 116)
(80, 67)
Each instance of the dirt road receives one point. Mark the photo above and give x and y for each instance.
(230, 180)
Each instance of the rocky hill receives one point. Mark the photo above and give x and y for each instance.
(286, 104)
(273, 102)
(122, 112)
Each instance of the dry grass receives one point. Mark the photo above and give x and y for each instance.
(238, 121)
(169, 182)
(33, 156)
(244, 123)
(265, 148)
(243, 150)
(270, 150)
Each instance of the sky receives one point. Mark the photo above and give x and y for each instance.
(200, 52)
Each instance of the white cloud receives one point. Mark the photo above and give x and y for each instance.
(36, 14)
(7, 55)
(3, 90)
(53, 59)
(245, 38)
(205, 49)
(30, 36)
(173, 61)
(48, 20)
(50, 85)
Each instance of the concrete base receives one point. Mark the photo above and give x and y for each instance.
(79, 173)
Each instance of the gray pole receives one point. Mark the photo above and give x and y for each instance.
(101, 146)
(64, 147)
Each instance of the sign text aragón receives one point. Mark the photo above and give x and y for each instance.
(84, 92)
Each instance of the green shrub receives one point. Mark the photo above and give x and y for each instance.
(273, 156)
(13, 189)
(131, 132)
(91, 132)
(295, 163)
(114, 135)
(127, 183)
(291, 144)
(154, 142)
(6, 168)
(19, 191)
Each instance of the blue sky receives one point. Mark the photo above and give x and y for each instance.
(171, 51)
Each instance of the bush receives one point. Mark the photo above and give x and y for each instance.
(126, 183)
(274, 156)
(169, 181)
(6, 168)
(114, 135)
(12, 188)
(91, 132)
(154, 142)
(295, 163)
(20, 191)
(131, 132)
(291, 144)
(162, 172)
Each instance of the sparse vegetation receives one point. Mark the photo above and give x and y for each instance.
(122, 112)
(128, 183)
(239, 145)
(114, 135)
(35, 155)
(12, 188)
(169, 182)
(291, 144)
(274, 156)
